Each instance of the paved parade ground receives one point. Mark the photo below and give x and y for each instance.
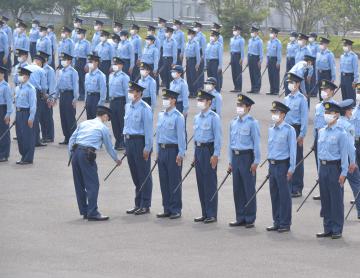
(43, 235)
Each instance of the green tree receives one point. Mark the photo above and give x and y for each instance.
(68, 8)
(19, 7)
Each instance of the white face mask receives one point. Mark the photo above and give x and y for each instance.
(149, 33)
(196, 29)
(212, 38)
(49, 31)
(166, 103)
(329, 118)
(63, 36)
(91, 66)
(291, 87)
(301, 42)
(252, 35)
(21, 59)
(64, 63)
(42, 34)
(116, 29)
(130, 96)
(240, 111)
(160, 25)
(311, 39)
(201, 105)
(292, 39)
(175, 27)
(96, 27)
(346, 48)
(132, 32)
(208, 87)
(76, 24)
(174, 74)
(79, 36)
(275, 118)
(324, 94)
(167, 35)
(103, 39)
(143, 73)
(21, 78)
(272, 35)
(18, 30)
(358, 97)
(123, 38)
(235, 33)
(33, 25)
(148, 42)
(322, 47)
(115, 68)
(189, 37)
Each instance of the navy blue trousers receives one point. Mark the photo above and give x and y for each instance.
(313, 83)
(104, 66)
(170, 177)
(46, 121)
(274, 75)
(354, 181)
(39, 108)
(126, 66)
(117, 107)
(165, 71)
(297, 181)
(136, 70)
(332, 198)
(323, 75)
(91, 106)
(139, 169)
(191, 76)
(212, 71)
(2, 53)
(200, 75)
(179, 61)
(280, 195)
(5, 142)
(255, 72)
(67, 114)
(80, 64)
(161, 60)
(290, 62)
(206, 178)
(25, 136)
(243, 187)
(86, 182)
(180, 108)
(32, 50)
(236, 70)
(347, 91)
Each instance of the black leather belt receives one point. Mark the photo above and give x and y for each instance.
(168, 146)
(324, 71)
(117, 98)
(3, 105)
(167, 57)
(85, 148)
(20, 109)
(189, 58)
(236, 53)
(275, 162)
(93, 93)
(347, 74)
(135, 136)
(253, 55)
(66, 91)
(240, 152)
(330, 162)
(202, 145)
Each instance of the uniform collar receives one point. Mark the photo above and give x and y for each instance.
(136, 104)
(205, 114)
(94, 72)
(243, 119)
(294, 95)
(280, 126)
(171, 111)
(333, 126)
(2, 82)
(118, 73)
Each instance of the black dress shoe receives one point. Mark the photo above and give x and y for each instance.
(121, 148)
(249, 225)
(199, 219)
(3, 159)
(235, 91)
(40, 144)
(272, 228)
(256, 92)
(317, 198)
(209, 220)
(237, 224)
(284, 230)
(296, 195)
(352, 202)
(336, 236)
(64, 143)
(141, 211)
(249, 92)
(175, 216)
(20, 162)
(47, 140)
(163, 215)
(322, 235)
(98, 217)
(132, 210)
(85, 217)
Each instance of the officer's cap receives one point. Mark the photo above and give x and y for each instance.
(145, 66)
(50, 26)
(99, 22)
(161, 20)
(191, 31)
(326, 84)
(243, 99)
(169, 29)
(178, 69)
(81, 31)
(309, 58)
(313, 35)
(22, 24)
(211, 80)
(215, 33)
(78, 20)
(66, 56)
(35, 21)
(150, 37)
(118, 24)
(135, 27)
(5, 18)
(347, 42)
(105, 33)
(177, 22)
(3, 69)
(216, 25)
(115, 37)
(24, 71)
(204, 95)
(18, 20)
(236, 28)
(294, 34)
(124, 33)
(302, 36)
(324, 40)
(332, 107)
(39, 57)
(94, 56)
(197, 24)
(279, 106)
(66, 29)
(151, 28)
(117, 61)
(167, 93)
(294, 77)
(254, 29)
(42, 28)
(346, 104)
(21, 51)
(43, 54)
(103, 110)
(274, 30)
(133, 86)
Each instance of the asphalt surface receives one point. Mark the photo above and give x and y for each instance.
(42, 234)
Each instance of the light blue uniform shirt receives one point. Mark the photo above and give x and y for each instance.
(214, 50)
(95, 40)
(237, 44)
(216, 104)
(105, 50)
(38, 78)
(149, 84)
(66, 46)
(300, 69)
(25, 97)
(181, 87)
(255, 47)
(151, 55)
(161, 35)
(50, 79)
(207, 129)
(298, 113)
(356, 120)
(350, 131)
(52, 37)
(119, 84)
(93, 133)
(282, 144)
(221, 39)
(325, 61)
(274, 50)
(313, 48)
(300, 54)
(171, 130)
(170, 49)
(179, 37)
(201, 40)
(291, 49)
(74, 36)
(6, 98)
(82, 49)
(192, 50)
(319, 121)
(136, 44)
(21, 41)
(68, 80)
(34, 34)
(4, 44)
(8, 31)
(95, 82)
(139, 121)
(125, 50)
(15, 75)
(332, 145)
(349, 63)
(244, 135)
(44, 44)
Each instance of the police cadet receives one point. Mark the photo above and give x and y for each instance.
(356, 122)
(4, 48)
(305, 70)
(255, 57)
(125, 52)
(297, 117)
(138, 132)
(237, 46)
(21, 41)
(273, 55)
(149, 83)
(77, 24)
(169, 57)
(34, 36)
(180, 86)
(170, 148)
(136, 43)
(353, 175)
(67, 90)
(8, 31)
(6, 110)
(118, 93)
(84, 142)
(217, 27)
(43, 43)
(52, 36)
(349, 70)
(325, 63)
(95, 86)
(160, 36)
(314, 49)
(117, 27)
(214, 58)
(192, 57)
(151, 31)
(333, 169)
(115, 39)
(22, 57)
(201, 40)
(244, 158)
(291, 50)
(81, 52)
(25, 103)
(302, 50)
(98, 26)
(66, 44)
(150, 56)
(207, 139)
(179, 36)
(216, 102)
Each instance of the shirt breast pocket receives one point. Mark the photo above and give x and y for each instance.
(280, 142)
(245, 135)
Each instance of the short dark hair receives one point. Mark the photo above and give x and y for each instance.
(101, 113)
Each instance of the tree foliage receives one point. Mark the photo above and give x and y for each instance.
(19, 7)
